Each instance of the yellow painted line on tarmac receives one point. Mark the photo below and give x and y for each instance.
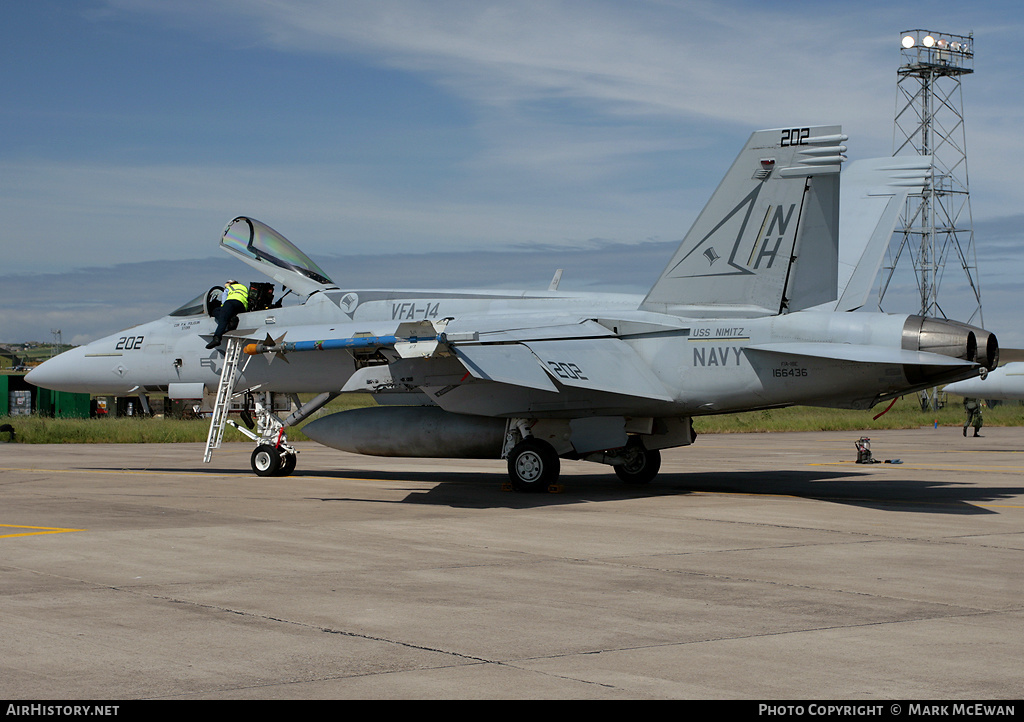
(36, 530)
(109, 471)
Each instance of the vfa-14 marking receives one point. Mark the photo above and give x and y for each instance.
(757, 308)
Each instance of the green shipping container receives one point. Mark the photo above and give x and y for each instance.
(62, 404)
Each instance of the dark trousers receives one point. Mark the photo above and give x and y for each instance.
(227, 311)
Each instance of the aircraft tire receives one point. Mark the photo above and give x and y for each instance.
(287, 465)
(641, 468)
(533, 465)
(266, 460)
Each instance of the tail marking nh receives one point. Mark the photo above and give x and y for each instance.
(783, 224)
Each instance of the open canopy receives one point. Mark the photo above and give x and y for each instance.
(265, 249)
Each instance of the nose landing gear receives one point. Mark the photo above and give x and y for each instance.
(269, 460)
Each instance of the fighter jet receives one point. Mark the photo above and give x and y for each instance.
(749, 313)
(1005, 383)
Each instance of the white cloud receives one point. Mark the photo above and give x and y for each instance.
(583, 119)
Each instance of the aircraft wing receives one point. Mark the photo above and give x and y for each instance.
(507, 364)
(608, 365)
(506, 329)
(578, 353)
(412, 338)
(547, 351)
(599, 364)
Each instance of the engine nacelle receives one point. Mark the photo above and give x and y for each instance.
(948, 338)
(415, 431)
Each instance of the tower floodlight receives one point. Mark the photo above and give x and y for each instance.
(936, 225)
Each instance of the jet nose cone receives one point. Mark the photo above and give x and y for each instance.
(33, 376)
(61, 373)
(955, 388)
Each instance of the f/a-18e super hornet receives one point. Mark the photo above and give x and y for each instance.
(754, 310)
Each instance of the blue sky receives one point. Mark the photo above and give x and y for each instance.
(439, 143)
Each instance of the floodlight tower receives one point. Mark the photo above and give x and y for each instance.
(930, 121)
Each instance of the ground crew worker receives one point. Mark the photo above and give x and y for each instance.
(973, 409)
(233, 302)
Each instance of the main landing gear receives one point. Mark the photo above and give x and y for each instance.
(639, 465)
(534, 465)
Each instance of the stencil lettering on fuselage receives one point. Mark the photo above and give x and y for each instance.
(705, 356)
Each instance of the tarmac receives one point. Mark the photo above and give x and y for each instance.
(755, 567)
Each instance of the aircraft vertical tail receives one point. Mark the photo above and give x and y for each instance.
(874, 193)
(779, 201)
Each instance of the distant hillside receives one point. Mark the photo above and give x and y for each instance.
(29, 353)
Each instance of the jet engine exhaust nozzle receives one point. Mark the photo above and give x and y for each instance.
(950, 338)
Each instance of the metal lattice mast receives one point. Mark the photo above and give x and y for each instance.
(936, 225)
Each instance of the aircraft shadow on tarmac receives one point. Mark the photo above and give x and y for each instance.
(851, 488)
(487, 490)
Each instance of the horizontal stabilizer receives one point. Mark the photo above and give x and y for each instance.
(858, 354)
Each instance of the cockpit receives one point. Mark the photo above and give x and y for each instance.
(261, 298)
(263, 248)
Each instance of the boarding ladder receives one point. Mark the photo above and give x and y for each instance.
(228, 374)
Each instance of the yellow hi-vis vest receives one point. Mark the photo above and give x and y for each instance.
(238, 292)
